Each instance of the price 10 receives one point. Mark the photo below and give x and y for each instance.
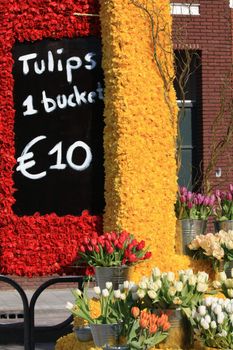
(26, 160)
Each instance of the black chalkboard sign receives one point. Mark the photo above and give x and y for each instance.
(58, 98)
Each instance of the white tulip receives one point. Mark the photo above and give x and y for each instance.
(204, 324)
(202, 287)
(217, 284)
(231, 319)
(202, 310)
(141, 293)
(142, 285)
(192, 280)
(223, 333)
(123, 296)
(207, 318)
(105, 293)
(178, 285)
(170, 276)
(213, 324)
(159, 284)
(208, 301)
(152, 294)
(232, 273)
(230, 293)
(108, 285)
(97, 290)
(78, 292)
(202, 277)
(126, 284)
(222, 276)
(220, 318)
(218, 309)
(172, 291)
(69, 305)
(117, 293)
(156, 272)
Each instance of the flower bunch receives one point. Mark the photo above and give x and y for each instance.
(113, 249)
(213, 323)
(216, 247)
(147, 330)
(191, 205)
(165, 291)
(224, 208)
(113, 305)
(224, 284)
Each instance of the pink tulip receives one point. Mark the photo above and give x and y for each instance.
(231, 188)
(183, 190)
(190, 205)
(200, 198)
(206, 201)
(218, 193)
(229, 196)
(182, 199)
(189, 195)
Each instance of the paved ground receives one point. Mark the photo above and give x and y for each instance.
(18, 347)
(49, 310)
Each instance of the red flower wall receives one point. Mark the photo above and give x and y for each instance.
(36, 245)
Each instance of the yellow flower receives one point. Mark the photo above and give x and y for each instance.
(95, 310)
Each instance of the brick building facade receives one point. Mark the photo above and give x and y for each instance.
(207, 28)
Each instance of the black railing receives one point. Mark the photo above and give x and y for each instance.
(29, 309)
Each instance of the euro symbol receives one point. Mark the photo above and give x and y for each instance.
(26, 160)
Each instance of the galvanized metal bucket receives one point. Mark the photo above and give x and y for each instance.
(189, 229)
(114, 274)
(223, 225)
(180, 333)
(83, 333)
(117, 347)
(106, 334)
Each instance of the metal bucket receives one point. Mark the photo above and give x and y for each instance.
(83, 333)
(117, 347)
(223, 225)
(180, 333)
(115, 274)
(106, 334)
(189, 229)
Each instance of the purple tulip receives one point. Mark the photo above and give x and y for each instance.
(229, 196)
(182, 199)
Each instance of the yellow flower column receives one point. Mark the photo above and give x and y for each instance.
(140, 132)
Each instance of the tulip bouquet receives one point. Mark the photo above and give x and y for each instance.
(213, 323)
(113, 305)
(113, 249)
(216, 247)
(164, 291)
(146, 330)
(224, 208)
(191, 205)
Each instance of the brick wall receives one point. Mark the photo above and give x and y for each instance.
(211, 33)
